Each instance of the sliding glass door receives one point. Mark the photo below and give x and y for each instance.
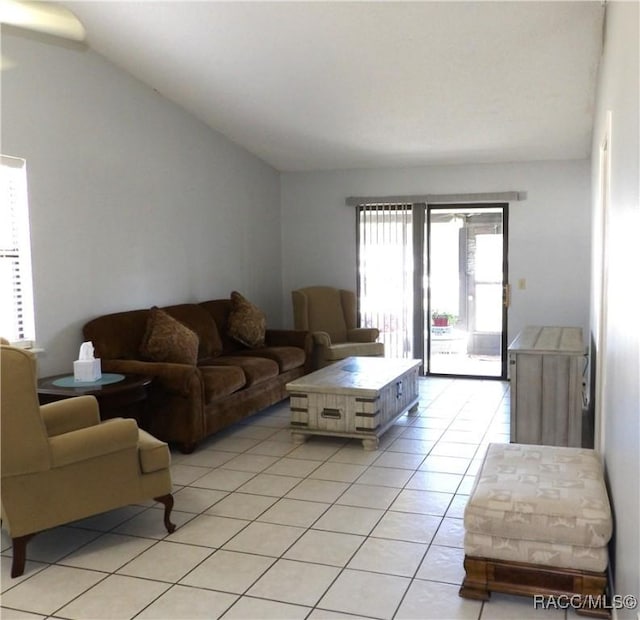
(465, 329)
(433, 279)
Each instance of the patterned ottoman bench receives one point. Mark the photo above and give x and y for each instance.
(537, 523)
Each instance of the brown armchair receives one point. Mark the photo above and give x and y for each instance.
(330, 314)
(60, 463)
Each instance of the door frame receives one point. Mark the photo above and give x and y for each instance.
(602, 279)
(506, 294)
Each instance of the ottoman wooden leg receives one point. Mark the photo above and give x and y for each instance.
(475, 584)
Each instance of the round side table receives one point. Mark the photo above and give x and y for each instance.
(124, 397)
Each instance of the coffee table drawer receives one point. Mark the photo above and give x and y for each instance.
(335, 412)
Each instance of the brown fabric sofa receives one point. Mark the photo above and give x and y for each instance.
(229, 381)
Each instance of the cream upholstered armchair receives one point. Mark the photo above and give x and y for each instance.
(60, 463)
(330, 314)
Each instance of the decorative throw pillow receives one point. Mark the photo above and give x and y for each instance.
(168, 340)
(247, 323)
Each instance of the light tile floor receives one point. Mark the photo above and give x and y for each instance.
(267, 529)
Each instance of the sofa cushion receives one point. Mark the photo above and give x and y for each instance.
(220, 381)
(117, 335)
(256, 369)
(287, 358)
(247, 323)
(168, 340)
(198, 320)
(219, 310)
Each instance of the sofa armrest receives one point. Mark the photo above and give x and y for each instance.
(88, 443)
(363, 334)
(174, 378)
(71, 414)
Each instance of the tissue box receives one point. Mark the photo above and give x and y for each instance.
(87, 370)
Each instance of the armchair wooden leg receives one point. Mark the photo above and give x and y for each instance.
(19, 554)
(167, 500)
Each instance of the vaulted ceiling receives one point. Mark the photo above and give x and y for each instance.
(331, 85)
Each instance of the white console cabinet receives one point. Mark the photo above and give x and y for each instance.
(545, 367)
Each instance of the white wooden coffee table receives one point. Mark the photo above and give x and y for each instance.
(358, 397)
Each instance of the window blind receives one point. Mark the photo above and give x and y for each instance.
(385, 274)
(16, 288)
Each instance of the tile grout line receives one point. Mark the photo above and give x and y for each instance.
(368, 468)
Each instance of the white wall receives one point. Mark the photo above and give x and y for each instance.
(618, 88)
(549, 233)
(133, 202)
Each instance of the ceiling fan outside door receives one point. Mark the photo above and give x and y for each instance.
(46, 17)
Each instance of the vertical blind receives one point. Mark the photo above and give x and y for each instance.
(16, 309)
(385, 274)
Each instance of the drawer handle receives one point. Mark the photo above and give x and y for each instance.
(398, 389)
(334, 414)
